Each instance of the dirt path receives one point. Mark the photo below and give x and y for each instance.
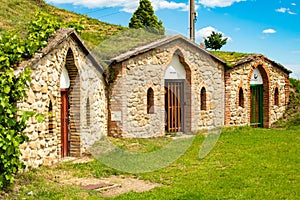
(112, 186)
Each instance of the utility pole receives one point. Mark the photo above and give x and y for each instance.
(192, 20)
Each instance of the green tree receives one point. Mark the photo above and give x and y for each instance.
(215, 41)
(144, 17)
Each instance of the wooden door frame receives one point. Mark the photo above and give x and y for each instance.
(64, 122)
(182, 101)
(261, 103)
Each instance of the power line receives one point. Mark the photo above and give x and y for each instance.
(110, 14)
(100, 9)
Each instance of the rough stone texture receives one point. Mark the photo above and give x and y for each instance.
(44, 145)
(239, 77)
(120, 109)
(137, 74)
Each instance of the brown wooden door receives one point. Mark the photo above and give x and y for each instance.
(64, 122)
(174, 106)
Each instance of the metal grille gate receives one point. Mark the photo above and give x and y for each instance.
(174, 106)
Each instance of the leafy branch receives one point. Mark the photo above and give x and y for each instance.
(13, 50)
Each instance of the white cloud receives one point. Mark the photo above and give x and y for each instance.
(218, 3)
(269, 31)
(293, 4)
(206, 31)
(295, 68)
(292, 13)
(285, 10)
(281, 10)
(125, 5)
(173, 5)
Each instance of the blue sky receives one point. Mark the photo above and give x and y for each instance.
(269, 27)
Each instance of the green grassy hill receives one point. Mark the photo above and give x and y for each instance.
(16, 14)
(105, 40)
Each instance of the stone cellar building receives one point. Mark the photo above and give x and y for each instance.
(169, 85)
(68, 86)
(256, 92)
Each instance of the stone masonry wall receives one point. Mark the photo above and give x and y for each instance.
(128, 99)
(44, 145)
(239, 77)
(280, 80)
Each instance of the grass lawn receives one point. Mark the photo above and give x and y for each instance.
(246, 163)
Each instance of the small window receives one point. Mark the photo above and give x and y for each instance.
(203, 99)
(88, 112)
(276, 97)
(50, 118)
(241, 98)
(150, 101)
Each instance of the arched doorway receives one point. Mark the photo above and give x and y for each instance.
(64, 112)
(177, 96)
(259, 98)
(70, 108)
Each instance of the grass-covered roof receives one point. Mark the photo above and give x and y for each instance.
(231, 58)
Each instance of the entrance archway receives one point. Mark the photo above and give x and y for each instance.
(64, 112)
(259, 98)
(70, 108)
(177, 96)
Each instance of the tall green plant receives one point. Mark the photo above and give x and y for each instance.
(13, 49)
(145, 18)
(215, 41)
(12, 90)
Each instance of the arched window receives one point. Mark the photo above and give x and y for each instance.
(88, 112)
(203, 99)
(50, 118)
(150, 101)
(241, 98)
(276, 97)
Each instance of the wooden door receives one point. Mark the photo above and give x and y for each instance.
(174, 106)
(256, 112)
(64, 122)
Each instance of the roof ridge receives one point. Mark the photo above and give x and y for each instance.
(251, 57)
(54, 40)
(159, 42)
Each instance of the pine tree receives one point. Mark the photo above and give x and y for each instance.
(144, 17)
(215, 41)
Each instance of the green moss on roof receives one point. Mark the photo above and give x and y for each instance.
(230, 57)
(122, 42)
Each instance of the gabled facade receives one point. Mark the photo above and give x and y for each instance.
(68, 86)
(257, 92)
(170, 85)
